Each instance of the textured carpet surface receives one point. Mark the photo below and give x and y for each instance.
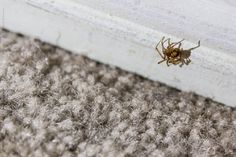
(54, 103)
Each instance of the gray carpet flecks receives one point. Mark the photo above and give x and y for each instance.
(54, 103)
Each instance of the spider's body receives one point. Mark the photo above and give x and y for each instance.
(173, 53)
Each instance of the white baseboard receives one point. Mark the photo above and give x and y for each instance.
(105, 32)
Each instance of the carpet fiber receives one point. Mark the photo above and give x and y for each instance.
(55, 103)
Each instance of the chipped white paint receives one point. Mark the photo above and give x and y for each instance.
(124, 33)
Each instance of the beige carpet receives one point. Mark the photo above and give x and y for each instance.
(54, 103)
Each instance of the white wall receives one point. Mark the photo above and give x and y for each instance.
(212, 21)
(125, 34)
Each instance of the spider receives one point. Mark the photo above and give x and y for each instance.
(173, 53)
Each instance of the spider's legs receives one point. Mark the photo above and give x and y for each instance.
(160, 42)
(188, 61)
(161, 61)
(194, 47)
(182, 63)
(167, 63)
(169, 42)
(175, 61)
(158, 49)
(179, 45)
(163, 42)
(179, 42)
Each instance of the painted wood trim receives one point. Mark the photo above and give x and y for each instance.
(121, 42)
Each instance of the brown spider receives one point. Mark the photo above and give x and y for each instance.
(173, 53)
